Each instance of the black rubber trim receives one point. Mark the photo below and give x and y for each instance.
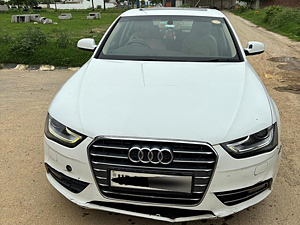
(87, 50)
(238, 196)
(237, 47)
(69, 183)
(171, 213)
(256, 53)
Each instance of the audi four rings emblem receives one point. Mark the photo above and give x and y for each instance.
(153, 155)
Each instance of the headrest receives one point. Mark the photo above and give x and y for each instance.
(200, 28)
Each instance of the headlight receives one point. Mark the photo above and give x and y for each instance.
(58, 132)
(263, 141)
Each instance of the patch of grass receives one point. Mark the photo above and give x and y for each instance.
(60, 49)
(281, 20)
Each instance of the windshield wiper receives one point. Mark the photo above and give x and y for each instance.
(217, 60)
(149, 59)
(165, 60)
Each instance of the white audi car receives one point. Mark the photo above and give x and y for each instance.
(167, 120)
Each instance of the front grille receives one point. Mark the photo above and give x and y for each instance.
(240, 195)
(196, 159)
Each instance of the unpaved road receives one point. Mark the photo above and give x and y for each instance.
(26, 197)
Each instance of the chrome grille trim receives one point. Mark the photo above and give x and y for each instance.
(100, 170)
(190, 161)
(202, 177)
(102, 178)
(209, 153)
(103, 146)
(147, 167)
(112, 156)
(148, 196)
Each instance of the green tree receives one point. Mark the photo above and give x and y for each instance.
(93, 7)
(247, 1)
(104, 4)
(18, 3)
(31, 3)
(132, 2)
(55, 4)
(156, 1)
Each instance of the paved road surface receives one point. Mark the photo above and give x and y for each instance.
(26, 197)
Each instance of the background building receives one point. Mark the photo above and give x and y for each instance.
(220, 4)
(287, 3)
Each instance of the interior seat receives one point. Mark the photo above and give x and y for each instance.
(149, 33)
(200, 42)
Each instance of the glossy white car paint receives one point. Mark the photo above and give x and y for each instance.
(218, 102)
(210, 104)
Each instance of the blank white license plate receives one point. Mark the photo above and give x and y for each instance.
(148, 181)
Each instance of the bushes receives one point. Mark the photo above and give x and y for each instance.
(284, 17)
(185, 5)
(27, 41)
(241, 9)
(282, 20)
(5, 37)
(62, 39)
(271, 12)
(277, 16)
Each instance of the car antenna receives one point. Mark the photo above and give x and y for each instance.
(143, 11)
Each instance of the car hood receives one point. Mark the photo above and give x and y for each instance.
(210, 102)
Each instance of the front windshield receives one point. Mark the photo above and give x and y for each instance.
(170, 38)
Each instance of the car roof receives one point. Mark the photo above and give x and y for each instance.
(159, 11)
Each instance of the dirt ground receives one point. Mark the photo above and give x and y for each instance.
(26, 197)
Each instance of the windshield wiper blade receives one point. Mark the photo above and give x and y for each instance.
(164, 60)
(149, 59)
(216, 60)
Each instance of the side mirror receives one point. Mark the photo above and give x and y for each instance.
(254, 48)
(87, 44)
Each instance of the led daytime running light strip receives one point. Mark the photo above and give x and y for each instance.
(62, 138)
(264, 143)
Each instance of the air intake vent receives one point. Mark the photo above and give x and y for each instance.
(69, 183)
(240, 195)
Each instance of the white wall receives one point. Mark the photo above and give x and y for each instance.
(178, 3)
(84, 5)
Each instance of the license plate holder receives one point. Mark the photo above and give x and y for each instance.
(151, 181)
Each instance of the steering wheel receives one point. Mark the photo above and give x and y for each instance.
(137, 41)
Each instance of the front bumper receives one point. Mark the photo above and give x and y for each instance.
(230, 174)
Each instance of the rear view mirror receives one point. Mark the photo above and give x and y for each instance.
(254, 48)
(87, 44)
